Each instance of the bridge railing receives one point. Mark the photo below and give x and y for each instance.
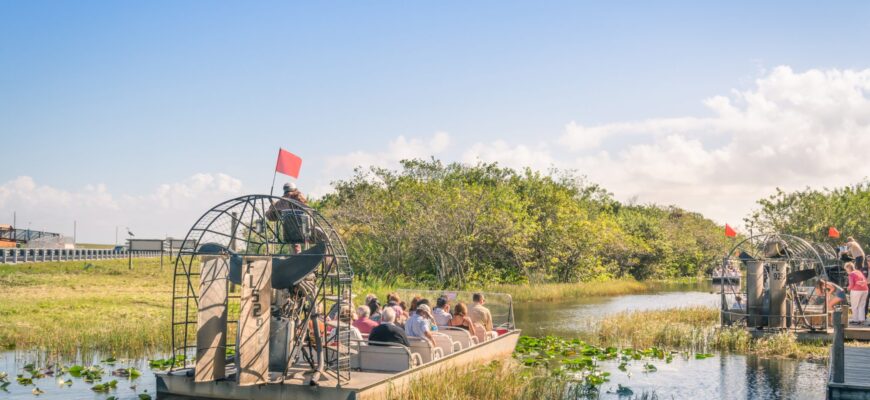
(13, 256)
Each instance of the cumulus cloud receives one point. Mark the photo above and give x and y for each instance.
(169, 209)
(789, 130)
(401, 148)
(514, 156)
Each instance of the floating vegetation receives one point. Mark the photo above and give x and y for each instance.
(579, 362)
(131, 373)
(105, 387)
(162, 364)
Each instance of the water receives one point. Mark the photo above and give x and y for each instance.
(13, 362)
(724, 376)
(568, 318)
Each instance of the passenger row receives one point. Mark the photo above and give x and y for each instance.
(395, 338)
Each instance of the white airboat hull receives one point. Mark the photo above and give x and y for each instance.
(362, 385)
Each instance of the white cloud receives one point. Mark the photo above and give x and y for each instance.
(791, 130)
(517, 157)
(398, 149)
(169, 209)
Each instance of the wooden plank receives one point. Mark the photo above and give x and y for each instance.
(211, 320)
(254, 321)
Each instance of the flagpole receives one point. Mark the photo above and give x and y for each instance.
(272, 188)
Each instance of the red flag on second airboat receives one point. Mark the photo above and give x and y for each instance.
(833, 232)
(729, 231)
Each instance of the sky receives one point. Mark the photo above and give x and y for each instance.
(146, 114)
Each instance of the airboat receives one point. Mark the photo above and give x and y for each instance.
(780, 286)
(258, 290)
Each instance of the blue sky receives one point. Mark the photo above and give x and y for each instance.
(135, 95)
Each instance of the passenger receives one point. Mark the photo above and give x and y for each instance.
(375, 310)
(345, 318)
(370, 297)
(738, 303)
(415, 302)
(857, 294)
(394, 301)
(480, 314)
(363, 323)
(836, 293)
(403, 315)
(420, 324)
(460, 319)
(442, 312)
(387, 331)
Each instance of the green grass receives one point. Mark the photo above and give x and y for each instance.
(94, 246)
(697, 329)
(549, 292)
(496, 380)
(564, 291)
(89, 305)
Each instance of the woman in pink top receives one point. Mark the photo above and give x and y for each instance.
(363, 322)
(857, 294)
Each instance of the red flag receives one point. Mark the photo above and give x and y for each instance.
(729, 231)
(288, 163)
(833, 232)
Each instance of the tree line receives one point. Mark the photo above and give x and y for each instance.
(809, 213)
(456, 224)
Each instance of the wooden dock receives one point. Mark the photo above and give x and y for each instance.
(856, 379)
(849, 377)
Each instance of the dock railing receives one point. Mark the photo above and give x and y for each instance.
(838, 349)
(14, 256)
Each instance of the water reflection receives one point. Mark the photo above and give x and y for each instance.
(723, 377)
(575, 317)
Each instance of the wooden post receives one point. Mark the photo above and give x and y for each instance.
(838, 349)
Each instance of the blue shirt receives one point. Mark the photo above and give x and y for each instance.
(417, 325)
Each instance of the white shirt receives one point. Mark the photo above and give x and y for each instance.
(442, 318)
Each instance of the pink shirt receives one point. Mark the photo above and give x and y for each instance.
(365, 325)
(857, 281)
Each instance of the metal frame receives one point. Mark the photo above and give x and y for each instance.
(241, 225)
(799, 255)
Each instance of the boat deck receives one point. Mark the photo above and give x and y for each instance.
(363, 385)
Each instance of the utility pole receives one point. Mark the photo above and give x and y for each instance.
(74, 233)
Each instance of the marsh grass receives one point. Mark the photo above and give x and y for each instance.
(697, 329)
(548, 292)
(563, 291)
(496, 380)
(94, 305)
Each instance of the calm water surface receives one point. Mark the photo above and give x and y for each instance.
(720, 377)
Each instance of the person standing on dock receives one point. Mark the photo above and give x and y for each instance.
(854, 250)
(857, 294)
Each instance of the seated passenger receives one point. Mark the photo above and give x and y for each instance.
(387, 331)
(738, 303)
(375, 310)
(460, 319)
(363, 323)
(442, 312)
(345, 318)
(419, 324)
(394, 301)
(480, 314)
